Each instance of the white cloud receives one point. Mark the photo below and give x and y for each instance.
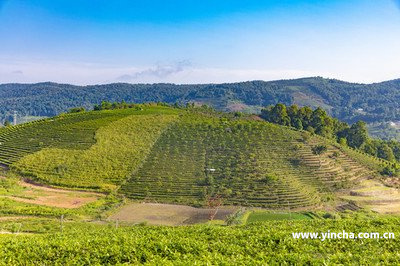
(180, 72)
(160, 71)
(17, 72)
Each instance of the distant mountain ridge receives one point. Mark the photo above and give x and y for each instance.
(347, 101)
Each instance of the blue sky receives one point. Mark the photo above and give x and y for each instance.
(91, 42)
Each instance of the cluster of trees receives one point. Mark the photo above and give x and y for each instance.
(105, 105)
(315, 121)
(77, 110)
(319, 122)
(388, 150)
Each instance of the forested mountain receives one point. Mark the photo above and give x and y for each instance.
(347, 101)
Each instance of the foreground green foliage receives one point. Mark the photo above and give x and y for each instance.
(259, 243)
(260, 216)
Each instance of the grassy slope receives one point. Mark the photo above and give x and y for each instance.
(12, 192)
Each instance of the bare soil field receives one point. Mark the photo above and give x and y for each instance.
(373, 195)
(167, 214)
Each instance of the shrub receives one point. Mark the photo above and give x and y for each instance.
(76, 110)
(389, 171)
(319, 149)
(305, 136)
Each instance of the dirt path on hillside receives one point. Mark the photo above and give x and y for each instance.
(52, 197)
(32, 184)
(14, 218)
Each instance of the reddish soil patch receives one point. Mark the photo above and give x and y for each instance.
(52, 197)
(237, 107)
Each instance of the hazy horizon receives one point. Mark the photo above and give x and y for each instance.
(175, 83)
(187, 42)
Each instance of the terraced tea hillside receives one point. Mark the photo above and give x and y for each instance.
(71, 131)
(250, 163)
(163, 154)
(89, 150)
(336, 168)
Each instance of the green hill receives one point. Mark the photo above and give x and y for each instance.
(92, 149)
(249, 163)
(164, 154)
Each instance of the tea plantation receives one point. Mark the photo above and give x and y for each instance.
(164, 154)
(96, 161)
(247, 163)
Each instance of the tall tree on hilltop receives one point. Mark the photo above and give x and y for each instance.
(321, 122)
(305, 116)
(357, 134)
(385, 152)
(276, 114)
